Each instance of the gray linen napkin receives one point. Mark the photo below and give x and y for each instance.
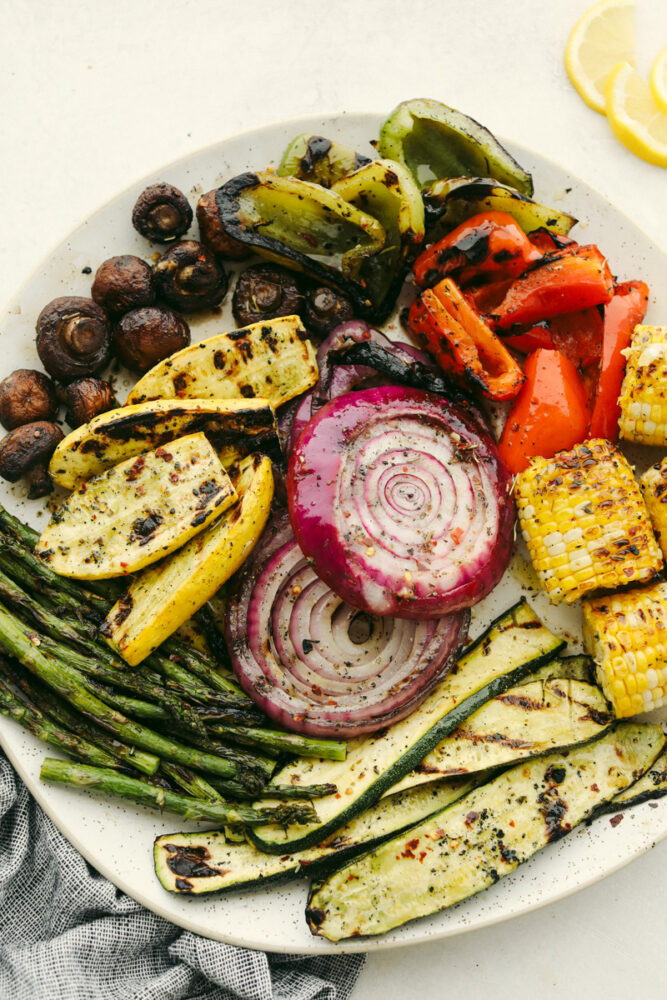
(66, 933)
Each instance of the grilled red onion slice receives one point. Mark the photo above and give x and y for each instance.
(401, 502)
(315, 664)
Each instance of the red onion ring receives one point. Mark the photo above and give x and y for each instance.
(294, 649)
(401, 503)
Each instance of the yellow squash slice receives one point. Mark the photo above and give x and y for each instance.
(161, 598)
(273, 359)
(138, 511)
(119, 434)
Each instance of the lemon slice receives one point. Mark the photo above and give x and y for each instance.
(602, 37)
(634, 116)
(658, 80)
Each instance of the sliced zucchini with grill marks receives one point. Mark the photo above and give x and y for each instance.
(525, 721)
(470, 845)
(138, 511)
(273, 360)
(577, 668)
(112, 437)
(513, 646)
(199, 863)
(651, 785)
(163, 597)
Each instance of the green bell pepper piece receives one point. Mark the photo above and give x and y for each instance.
(323, 161)
(434, 141)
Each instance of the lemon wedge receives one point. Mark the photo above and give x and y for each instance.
(634, 116)
(658, 80)
(602, 37)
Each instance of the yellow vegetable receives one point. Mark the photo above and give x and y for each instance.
(119, 434)
(160, 599)
(273, 359)
(138, 512)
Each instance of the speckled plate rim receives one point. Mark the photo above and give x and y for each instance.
(648, 826)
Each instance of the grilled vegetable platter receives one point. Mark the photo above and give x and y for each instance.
(332, 560)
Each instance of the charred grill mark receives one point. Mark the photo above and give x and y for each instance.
(315, 916)
(521, 701)
(552, 807)
(190, 862)
(125, 605)
(180, 382)
(247, 391)
(497, 739)
(317, 148)
(594, 715)
(183, 885)
(144, 528)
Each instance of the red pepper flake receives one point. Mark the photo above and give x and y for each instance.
(456, 535)
(166, 456)
(136, 468)
(615, 820)
(173, 477)
(595, 788)
(124, 565)
(141, 489)
(470, 819)
(512, 823)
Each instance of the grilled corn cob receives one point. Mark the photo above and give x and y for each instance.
(585, 523)
(643, 399)
(627, 636)
(654, 487)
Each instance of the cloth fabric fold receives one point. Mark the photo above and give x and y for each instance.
(68, 933)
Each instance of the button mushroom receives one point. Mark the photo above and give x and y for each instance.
(143, 337)
(26, 451)
(325, 309)
(189, 277)
(73, 337)
(161, 213)
(212, 233)
(26, 396)
(85, 398)
(123, 283)
(265, 292)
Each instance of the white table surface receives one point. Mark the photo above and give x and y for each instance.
(93, 96)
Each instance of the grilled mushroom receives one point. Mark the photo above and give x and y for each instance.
(161, 213)
(143, 337)
(188, 276)
(123, 283)
(212, 233)
(325, 309)
(73, 337)
(26, 396)
(26, 451)
(265, 292)
(85, 398)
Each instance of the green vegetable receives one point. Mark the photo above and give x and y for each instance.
(451, 201)
(470, 845)
(304, 227)
(513, 646)
(434, 141)
(322, 161)
(121, 786)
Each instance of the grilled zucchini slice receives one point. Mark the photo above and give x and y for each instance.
(470, 845)
(112, 437)
(525, 721)
(273, 360)
(199, 863)
(137, 512)
(651, 785)
(164, 596)
(513, 646)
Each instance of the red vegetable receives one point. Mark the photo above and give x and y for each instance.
(578, 335)
(488, 243)
(400, 502)
(485, 298)
(570, 279)
(531, 338)
(549, 414)
(317, 665)
(621, 315)
(462, 343)
(547, 241)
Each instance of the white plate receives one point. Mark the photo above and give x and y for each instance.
(117, 839)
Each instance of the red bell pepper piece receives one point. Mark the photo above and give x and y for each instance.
(566, 281)
(579, 336)
(621, 315)
(485, 298)
(550, 413)
(488, 243)
(462, 343)
(548, 241)
(530, 339)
